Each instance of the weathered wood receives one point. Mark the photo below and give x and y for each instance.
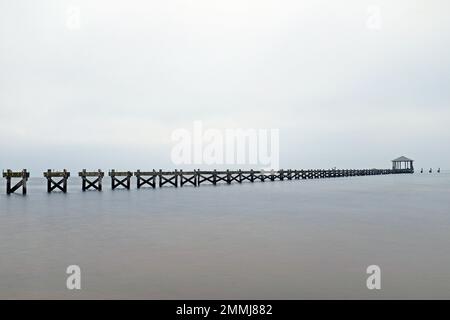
(60, 184)
(180, 178)
(167, 177)
(22, 183)
(123, 182)
(95, 184)
(189, 177)
(16, 174)
(141, 181)
(205, 176)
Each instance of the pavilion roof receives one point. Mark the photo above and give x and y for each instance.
(402, 158)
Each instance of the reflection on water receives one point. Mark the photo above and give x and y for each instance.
(291, 239)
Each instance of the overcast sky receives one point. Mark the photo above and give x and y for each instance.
(345, 86)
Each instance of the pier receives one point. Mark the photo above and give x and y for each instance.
(95, 184)
(196, 178)
(146, 178)
(61, 184)
(21, 175)
(124, 181)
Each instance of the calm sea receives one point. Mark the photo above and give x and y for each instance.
(273, 240)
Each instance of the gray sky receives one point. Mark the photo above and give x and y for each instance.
(110, 93)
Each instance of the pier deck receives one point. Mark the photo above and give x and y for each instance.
(180, 178)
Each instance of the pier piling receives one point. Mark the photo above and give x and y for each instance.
(95, 184)
(125, 181)
(168, 177)
(150, 179)
(22, 175)
(188, 178)
(61, 184)
(401, 165)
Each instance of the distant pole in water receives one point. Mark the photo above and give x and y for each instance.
(421, 170)
(431, 170)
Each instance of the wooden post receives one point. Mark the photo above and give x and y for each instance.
(66, 176)
(151, 180)
(215, 177)
(60, 184)
(22, 175)
(49, 181)
(8, 182)
(95, 184)
(124, 182)
(172, 178)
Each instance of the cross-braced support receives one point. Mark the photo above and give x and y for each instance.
(150, 180)
(221, 176)
(22, 175)
(167, 177)
(60, 184)
(95, 184)
(205, 176)
(189, 177)
(261, 175)
(233, 176)
(124, 181)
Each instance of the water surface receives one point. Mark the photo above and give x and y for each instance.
(272, 240)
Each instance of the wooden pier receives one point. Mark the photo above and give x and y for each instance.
(124, 181)
(61, 184)
(168, 177)
(22, 175)
(95, 184)
(188, 178)
(146, 178)
(195, 178)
